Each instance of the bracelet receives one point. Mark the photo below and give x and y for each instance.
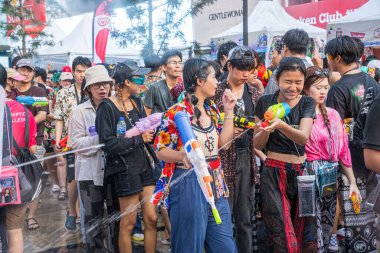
(229, 117)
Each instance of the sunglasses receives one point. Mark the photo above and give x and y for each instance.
(137, 80)
(323, 73)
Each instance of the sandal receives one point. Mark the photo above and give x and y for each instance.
(32, 226)
(62, 196)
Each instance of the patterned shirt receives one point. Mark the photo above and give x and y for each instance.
(229, 156)
(168, 137)
(66, 101)
(149, 79)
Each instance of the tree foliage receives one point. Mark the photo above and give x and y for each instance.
(21, 35)
(140, 30)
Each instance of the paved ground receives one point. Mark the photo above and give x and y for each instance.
(51, 237)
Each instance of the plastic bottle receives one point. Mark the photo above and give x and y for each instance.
(92, 131)
(121, 127)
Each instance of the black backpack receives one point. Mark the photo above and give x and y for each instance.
(32, 176)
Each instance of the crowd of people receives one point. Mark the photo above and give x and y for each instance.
(114, 182)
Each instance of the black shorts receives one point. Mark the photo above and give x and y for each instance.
(70, 161)
(127, 184)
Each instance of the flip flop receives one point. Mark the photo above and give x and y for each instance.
(32, 226)
(62, 196)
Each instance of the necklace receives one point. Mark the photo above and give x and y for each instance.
(356, 67)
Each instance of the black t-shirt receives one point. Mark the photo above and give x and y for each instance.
(352, 96)
(158, 97)
(130, 149)
(371, 133)
(277, 141)
(244, 107)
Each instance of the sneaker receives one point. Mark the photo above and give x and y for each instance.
(333, 246)
(138, 237)
(55, 188)
(341, 233)
(70, 224)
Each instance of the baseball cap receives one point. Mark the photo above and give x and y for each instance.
(25, 63)
(66, 76)
(96, 74)
(66, 69)
(12, 73)
(128, 69)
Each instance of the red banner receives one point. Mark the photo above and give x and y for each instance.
(101, 29)
(322, 12)
(37, 13)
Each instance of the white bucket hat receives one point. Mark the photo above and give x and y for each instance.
(96, 74)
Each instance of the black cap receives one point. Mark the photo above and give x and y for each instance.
(127, 69)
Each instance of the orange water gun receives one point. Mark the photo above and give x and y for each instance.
(63, 144)
(355, 203)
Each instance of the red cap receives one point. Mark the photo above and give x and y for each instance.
(66, 69)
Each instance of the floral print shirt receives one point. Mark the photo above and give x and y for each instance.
(65, 103)
(168, 137)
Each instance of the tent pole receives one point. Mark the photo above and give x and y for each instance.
(245, 22)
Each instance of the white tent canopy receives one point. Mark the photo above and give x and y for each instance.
(363, 23)
(79, 42)
(267, 21)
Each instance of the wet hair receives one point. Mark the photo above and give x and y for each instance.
(153, 62)
(171, 53)
(290, 64)
(278, 45)
(224, 49)
(193, 70)
(345, 47)
(247, 62)
(296, 40)
(257, 57)
(42, 73)
(15, 60)
(217, 68)
(315, 75)
(360, 46)
(3, 76)
(377, 75)
(80, 60)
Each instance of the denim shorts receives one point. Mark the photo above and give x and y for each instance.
(130, 184)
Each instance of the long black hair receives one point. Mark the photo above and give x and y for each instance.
(290, 64)
(193, 70)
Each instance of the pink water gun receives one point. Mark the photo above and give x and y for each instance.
(144, 125)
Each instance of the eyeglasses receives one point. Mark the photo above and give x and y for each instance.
(176, 63)
(137, 80)
(98, 85)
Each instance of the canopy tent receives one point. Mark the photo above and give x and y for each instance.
(363, 23)
(79, 42)
(267, 23)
